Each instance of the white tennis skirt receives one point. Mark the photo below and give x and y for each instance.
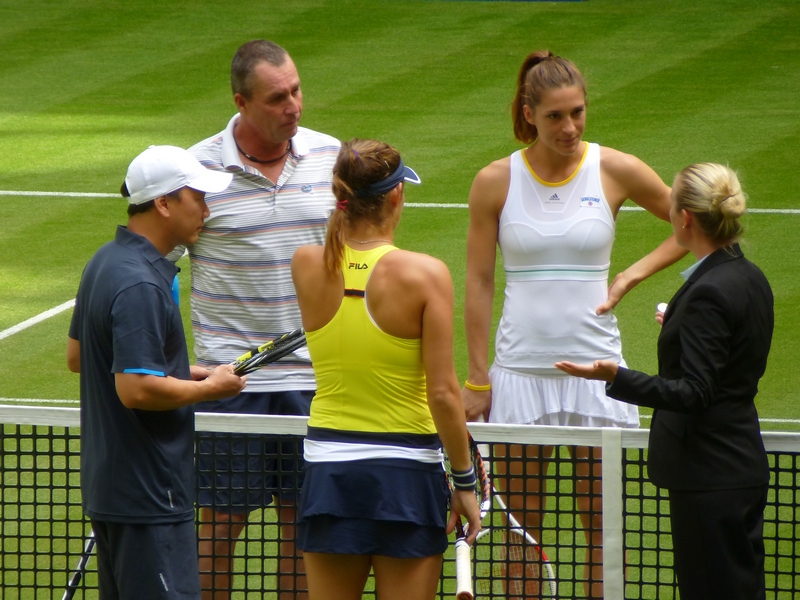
(557, 400)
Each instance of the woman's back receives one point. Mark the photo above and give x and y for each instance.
(367, 378)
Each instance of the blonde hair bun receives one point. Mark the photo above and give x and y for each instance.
(712, 192)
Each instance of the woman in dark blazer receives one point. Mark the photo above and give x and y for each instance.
(705, 442)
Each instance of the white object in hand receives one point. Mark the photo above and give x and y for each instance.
(661, 307)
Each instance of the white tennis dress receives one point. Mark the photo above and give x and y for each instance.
(556, 244)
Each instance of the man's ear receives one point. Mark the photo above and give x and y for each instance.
(161, 204)
(240, 102)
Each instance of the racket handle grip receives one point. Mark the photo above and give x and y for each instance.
(463, 571)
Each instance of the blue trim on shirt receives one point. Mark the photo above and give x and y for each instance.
(145, 372)
(688, 272)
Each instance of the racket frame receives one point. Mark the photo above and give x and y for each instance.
(482, 489)
(486, 499)
(80, 568)
(269, 352)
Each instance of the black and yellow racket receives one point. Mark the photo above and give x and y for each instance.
(269, 352)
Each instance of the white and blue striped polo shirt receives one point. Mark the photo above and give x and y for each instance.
(242, 292)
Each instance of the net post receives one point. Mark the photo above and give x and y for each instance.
(613, 553)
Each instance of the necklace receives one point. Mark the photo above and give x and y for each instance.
(368, 241)
(258, 160)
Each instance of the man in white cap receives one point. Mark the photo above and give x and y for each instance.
(126, 340)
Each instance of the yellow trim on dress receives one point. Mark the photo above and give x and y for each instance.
(560, 183)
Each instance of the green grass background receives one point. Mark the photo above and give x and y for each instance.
(85, 85)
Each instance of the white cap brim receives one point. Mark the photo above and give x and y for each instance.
(161, 170)
(211, 182)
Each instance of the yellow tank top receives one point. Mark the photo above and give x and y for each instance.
(367, 380)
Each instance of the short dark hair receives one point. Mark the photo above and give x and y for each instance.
(137, 209)
(248, 57)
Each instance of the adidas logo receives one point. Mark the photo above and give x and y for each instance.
(554, 198)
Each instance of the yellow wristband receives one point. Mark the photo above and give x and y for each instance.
(477, 388)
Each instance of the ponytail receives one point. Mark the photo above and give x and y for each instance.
(333, 252)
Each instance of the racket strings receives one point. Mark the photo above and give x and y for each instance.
(513, 571)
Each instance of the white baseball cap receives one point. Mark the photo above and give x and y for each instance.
(160, 170)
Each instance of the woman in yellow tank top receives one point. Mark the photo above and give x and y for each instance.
(379, 323)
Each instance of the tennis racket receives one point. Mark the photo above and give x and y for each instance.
(269, 352)
(464, 588)
(508, 561)
(80, 569)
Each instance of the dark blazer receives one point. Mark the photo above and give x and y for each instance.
(712, 351)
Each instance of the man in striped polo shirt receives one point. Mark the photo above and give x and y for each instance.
(242, 295)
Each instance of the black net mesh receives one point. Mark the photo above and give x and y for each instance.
(550, 545)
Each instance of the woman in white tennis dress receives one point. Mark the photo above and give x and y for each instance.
(551, 209)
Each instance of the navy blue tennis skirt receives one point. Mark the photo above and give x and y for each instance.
(387, 507)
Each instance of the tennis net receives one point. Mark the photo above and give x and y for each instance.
(44, 533)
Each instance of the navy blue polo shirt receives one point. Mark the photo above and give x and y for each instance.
(136, 465)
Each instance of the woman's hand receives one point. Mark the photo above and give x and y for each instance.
(621, 285)
(464, 502)
(601, 370)
(476, 404)
(660, 310)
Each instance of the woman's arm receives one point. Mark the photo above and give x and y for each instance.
(486, 199)
(626, 177)
(444, 401)
(437, 355)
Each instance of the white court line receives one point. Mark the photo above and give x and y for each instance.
(37, 319)
(448, 205)
(761, 211)
(769, 211)
(61, 194)
(38, 401)
(24, 401)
